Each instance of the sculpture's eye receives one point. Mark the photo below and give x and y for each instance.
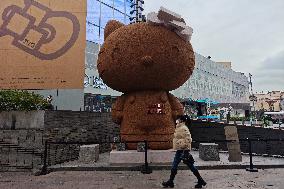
(175, 50)
(172, 53)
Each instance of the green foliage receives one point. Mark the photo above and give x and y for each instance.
(239, 119)
(20, 100)
(266, 119)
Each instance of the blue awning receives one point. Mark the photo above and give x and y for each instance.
(207, 101)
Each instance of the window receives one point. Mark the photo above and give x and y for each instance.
(128, 8)
(101, 39)
(93, 11)
(92, 21)
(106, 15)
(119, 5)
(99, 12)
(119, 16)
(108, 2)
(92, 32)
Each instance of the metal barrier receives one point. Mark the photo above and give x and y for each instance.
(145, 168)
(10, 153)
(251, 167)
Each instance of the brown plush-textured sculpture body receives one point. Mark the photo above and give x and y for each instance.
(145, 62)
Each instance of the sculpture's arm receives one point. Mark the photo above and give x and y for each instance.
(117, 110)
(176, 106)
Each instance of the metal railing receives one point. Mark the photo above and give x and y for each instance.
(145, 168)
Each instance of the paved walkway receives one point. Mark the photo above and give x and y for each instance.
(216, 179)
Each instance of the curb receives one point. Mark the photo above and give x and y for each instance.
(157, 167)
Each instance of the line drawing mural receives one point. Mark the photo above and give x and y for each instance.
(24, 38)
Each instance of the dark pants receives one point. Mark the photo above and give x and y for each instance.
(180, 154)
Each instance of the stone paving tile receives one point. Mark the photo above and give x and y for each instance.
(216, 179)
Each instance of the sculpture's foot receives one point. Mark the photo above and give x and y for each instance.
(161, 145)
(155, 142)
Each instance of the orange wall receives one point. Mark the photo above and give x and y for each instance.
(42, 44)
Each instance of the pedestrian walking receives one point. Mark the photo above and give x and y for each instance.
(182, 144)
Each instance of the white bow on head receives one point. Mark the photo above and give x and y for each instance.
(171, 21)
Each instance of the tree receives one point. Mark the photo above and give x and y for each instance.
(21, 100)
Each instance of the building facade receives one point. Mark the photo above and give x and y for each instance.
(64, 99)
(215, 81)
(271, 101)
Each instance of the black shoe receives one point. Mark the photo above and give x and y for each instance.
(168, 184)
(200, 183)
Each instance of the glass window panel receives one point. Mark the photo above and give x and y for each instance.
(119, 16)
(93, 11)
(119, 5)
(92, 32)
(109, 2)
(101, 37)
(127, 20)
(106, 15)
(128, 8)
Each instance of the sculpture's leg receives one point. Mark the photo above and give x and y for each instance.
(161, 142)
(155, 142)
(130, 141)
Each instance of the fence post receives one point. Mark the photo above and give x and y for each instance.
(44, 168)
(145, 168)
(251, 168)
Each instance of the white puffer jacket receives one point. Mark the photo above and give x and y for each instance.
(182, 138)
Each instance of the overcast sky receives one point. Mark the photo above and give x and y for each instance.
(249, 33)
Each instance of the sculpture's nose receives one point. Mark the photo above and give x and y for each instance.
(147, 61)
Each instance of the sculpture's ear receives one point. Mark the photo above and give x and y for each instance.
(111, 26)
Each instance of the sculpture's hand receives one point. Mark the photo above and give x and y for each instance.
(176, 106)
(117, 116)
(117, 110)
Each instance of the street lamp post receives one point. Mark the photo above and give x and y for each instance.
(252, 99)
